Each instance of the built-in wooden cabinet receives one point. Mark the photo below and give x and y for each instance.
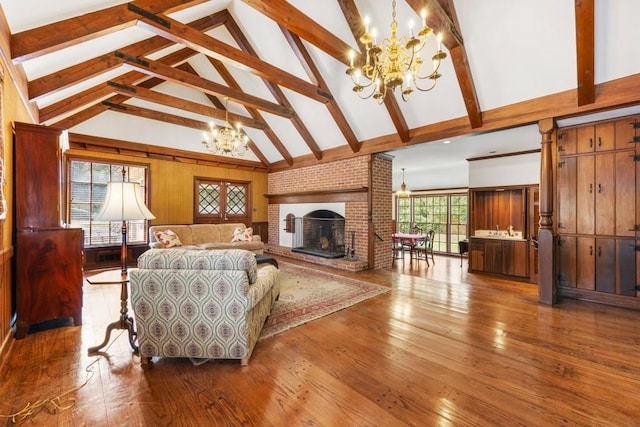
(498, 256)
(597, 209)
(491, 208)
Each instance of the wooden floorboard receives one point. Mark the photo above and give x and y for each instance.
(443, 347)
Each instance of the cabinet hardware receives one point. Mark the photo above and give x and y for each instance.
(561, 225)
(599, 251)
(636, 157)
(635, 125)
(635, 139)
(599, 141)
(590, 188)
(561, 135)
(599, 188)
(590, 250)
(636, 248)
(561, 164)
(590, 142)
(637, 287)
(561, 148)
(636, 227)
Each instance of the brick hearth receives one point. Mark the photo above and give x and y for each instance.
(337, 263)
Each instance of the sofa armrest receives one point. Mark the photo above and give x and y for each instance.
(256, 238)
(268, 277)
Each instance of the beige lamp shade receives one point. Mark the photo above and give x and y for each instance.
(123, 203)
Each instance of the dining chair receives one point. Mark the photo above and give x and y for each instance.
(429, 246)
(398, 250)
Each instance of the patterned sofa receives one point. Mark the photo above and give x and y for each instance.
(208, 304)
(207, 236)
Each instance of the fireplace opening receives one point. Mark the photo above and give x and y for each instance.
(320, 233)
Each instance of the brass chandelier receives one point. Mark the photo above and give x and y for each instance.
(225, 140)
(396, 61)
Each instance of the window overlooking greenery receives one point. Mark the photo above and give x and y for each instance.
(446, 214)
(87, 188)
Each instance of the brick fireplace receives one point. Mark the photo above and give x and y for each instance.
(357, 189)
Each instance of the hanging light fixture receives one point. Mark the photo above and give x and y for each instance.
(394, 62)
(403, 192)
(225, 140)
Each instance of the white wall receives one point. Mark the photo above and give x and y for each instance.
(300, 210)
(510, 170)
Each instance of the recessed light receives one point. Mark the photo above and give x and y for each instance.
(446, 142)
(492, 152)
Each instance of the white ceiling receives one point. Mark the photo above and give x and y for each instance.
(517, 50)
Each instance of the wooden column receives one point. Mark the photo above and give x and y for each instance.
(546, 288)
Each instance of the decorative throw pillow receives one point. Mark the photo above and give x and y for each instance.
(240, 235)
(168, 238)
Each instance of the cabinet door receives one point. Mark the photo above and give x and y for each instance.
(584, 138)
(605, 194)
(626, 193)
(566, 261)
(567, 141)
(605, 265)
(585, 255)
(566, 202)
(514, 258)
(493, 256)
(37, 176)
(585, 195)
(605, 138)
(477, 256)
(626, 267)
(626, 132)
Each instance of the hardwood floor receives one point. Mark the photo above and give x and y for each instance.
(444, 347)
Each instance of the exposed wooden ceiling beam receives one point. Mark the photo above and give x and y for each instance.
(585, 46)
(442, 17)
(284, 14)
(52, 113)
(95, 143)
(58, 35)
(160, 116)
(166, 72)
(209, 46)
(616, 93)
(275, 90)
(314, 74)
(182, 104)
(87, 69)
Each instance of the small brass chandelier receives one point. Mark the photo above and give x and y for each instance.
(394, 62)
(225, 140)
(403, 192)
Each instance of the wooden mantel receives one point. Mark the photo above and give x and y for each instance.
(321, 196)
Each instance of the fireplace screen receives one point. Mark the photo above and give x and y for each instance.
(320, 233)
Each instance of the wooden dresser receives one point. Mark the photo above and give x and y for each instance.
(48, 261)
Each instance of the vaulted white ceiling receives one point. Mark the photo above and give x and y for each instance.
(515, 51)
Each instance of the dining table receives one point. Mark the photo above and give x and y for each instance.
(412, 240)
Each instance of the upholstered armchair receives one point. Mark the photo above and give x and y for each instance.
(208, 304)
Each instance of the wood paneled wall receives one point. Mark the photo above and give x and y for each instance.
(171, 185)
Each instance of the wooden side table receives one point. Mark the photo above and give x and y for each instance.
(115, 277)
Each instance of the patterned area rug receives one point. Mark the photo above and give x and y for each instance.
(307, 294)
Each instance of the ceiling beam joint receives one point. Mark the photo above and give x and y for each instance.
(140, 11)
(130, 58)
